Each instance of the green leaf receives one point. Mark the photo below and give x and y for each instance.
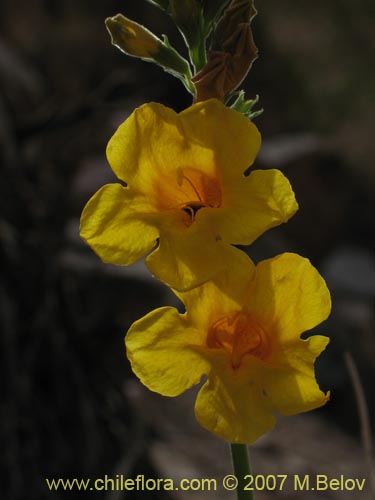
(245, 106)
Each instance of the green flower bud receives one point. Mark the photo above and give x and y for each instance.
(136, 40)
(132, 38)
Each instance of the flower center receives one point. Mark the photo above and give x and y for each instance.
(238, 334)
(192, 191)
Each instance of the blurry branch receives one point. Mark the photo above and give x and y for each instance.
(17, 78)
(10, 371)
(137, 448)
(54, 116)
(364, 416)
(7, 140)
(15, 71)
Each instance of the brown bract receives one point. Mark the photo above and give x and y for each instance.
(233, 53)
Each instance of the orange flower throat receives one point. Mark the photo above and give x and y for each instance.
(239, 335)
(192, 191)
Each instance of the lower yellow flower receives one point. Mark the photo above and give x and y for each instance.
(242, 331)
(186, 190)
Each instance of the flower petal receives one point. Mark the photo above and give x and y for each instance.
(292, 387)
(222, 295)
(186, 259)
(118, 225)
(155, 141)
(152, 144)
(288, 297)
(164, 352)
(260, 201)
(233, 138)
(233, 407)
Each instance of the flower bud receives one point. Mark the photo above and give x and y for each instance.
(136, 40)
(132, 38)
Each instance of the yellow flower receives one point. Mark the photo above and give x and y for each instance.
(186, 190)
(242, 331)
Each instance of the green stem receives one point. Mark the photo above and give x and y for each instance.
(241, 467)
(198, 55)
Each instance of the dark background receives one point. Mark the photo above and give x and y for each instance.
(70, 406)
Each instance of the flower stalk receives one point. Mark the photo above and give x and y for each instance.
(242, 470)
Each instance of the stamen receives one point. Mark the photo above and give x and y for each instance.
(194, 188)
(191, 209)
(199, 191)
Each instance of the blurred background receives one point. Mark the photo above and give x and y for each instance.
(70, 405)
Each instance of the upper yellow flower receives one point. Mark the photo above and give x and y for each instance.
(242, 331)
(185, 189)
